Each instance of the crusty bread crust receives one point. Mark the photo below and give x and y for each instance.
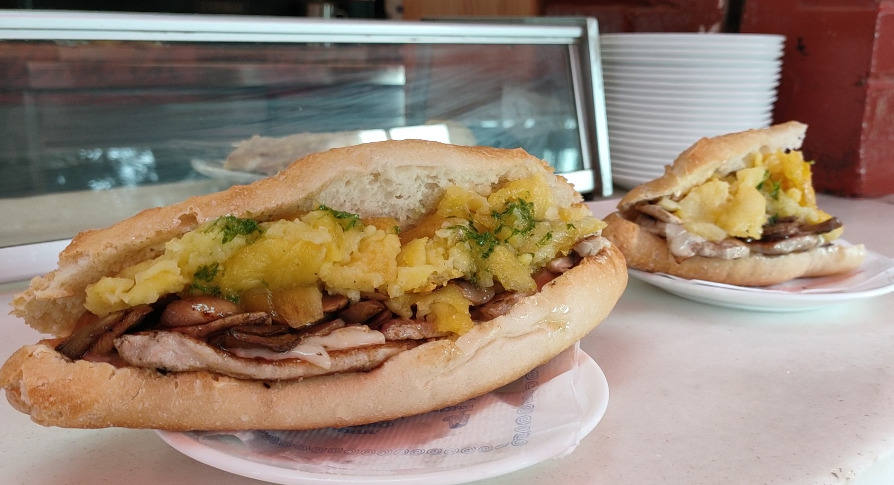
(719, 155)
(58, 392)
(400, 179)
(648, 252)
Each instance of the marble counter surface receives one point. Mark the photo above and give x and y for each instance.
(699, 395)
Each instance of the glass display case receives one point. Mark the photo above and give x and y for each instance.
(107, 114)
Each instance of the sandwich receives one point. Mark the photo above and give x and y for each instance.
(737, 209)
(358, 285)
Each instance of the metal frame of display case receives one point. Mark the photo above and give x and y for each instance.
(580, 35)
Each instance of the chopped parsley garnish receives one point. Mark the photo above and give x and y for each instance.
(346, 219)
(201, 284)
(775, 186)
(206, 273)
(517, 216)
(766, 176)
(197, 288)
(545, 239)
(772, 219)
(232, 226)
(775, 191)
(570, 226)
(203, 289)
(483, 243)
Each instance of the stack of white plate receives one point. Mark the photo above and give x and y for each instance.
(665, 91)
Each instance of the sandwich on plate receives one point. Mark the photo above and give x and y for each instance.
(360, 284)
(737, 209)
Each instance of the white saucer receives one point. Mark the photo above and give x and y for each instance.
(874, 278)
(441, 447)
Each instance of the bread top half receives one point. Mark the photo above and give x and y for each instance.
(719, 155)
(398, 179)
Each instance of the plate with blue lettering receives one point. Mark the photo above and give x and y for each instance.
(545, 414)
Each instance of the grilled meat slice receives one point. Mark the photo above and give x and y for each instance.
(177, 352)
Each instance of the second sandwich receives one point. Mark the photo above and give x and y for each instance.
(737, 209)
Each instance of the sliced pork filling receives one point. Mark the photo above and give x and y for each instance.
(781, 236)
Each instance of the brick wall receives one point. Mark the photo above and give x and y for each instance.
(838, 77)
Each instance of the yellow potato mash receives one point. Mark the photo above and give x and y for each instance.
(502, 237)
(774, 186)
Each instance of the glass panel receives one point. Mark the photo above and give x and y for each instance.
(94, 131)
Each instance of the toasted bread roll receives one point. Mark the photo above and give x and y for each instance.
(652, 229)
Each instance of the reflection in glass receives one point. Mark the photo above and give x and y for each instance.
(134, 117)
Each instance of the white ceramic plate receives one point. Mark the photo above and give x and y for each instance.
(648, 172)
(731, 73)
(690, 84)
(698, 120)
(634, 165)
(683, 124)
(689, 51)
(693, 62)
(695, 39)
(733, 106)
(638, 126)
(629, 181)
(637, 169)
(654, 136)
(875, 277)
(684, 92)
(355, 455)
(726, 77)
(733, 99)
(719, 110)
(645, 141)
(635, 150)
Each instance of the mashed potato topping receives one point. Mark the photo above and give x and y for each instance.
(773, 186)
(501, 237)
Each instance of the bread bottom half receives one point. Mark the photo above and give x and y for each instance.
(56, 391)
(648, 252)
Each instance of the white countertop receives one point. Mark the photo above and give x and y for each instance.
(699, 395)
